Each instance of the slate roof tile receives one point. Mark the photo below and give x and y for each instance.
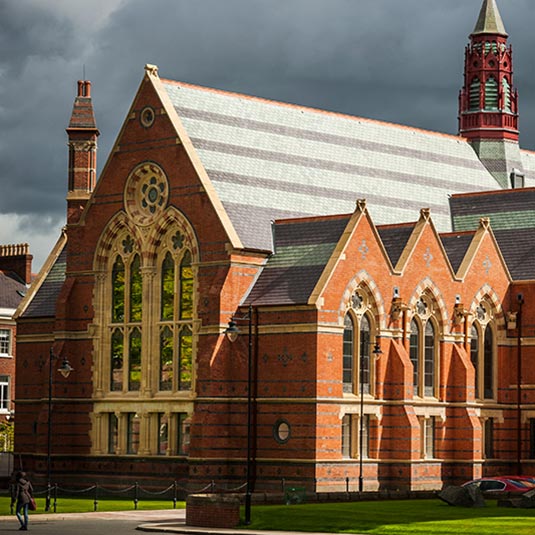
(456, 246)
(395, 238)
(12, 290)
(518, 249)
(302, 249)
(44, 301)
(271, 158)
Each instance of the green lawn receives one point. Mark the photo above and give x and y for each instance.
(403, 517)
(85, 505)
(422, 517)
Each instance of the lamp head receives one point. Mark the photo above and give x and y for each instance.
(65, 369)
(232, 331)
(377, 350)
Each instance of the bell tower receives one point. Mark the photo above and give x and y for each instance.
(488, 101)
(83, 133)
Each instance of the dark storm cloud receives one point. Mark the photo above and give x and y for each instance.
(399, 61)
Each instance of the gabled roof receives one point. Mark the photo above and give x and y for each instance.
(40, 300)
(302, 249)
(395, 238)
(44, 301)
(456, 245)
(269, 160)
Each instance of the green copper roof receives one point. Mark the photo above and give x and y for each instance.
(490, 20)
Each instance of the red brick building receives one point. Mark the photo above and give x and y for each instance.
(15, 277)
(378, 342)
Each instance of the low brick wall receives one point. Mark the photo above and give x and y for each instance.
(213, 510)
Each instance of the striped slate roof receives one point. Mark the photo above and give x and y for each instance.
(43, 303)
(506, 209)
(269, 160)
(302, 249)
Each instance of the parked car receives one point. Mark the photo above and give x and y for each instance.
(516, 484)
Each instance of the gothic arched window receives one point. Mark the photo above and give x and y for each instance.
(483, 353)
(357, 368)
(348, 359)
(474, 357)
(424, 349)
(414, 353)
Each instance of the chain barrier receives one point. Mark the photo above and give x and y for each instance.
(135, 490)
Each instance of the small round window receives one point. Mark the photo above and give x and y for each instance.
(147, 117)
(282, 431)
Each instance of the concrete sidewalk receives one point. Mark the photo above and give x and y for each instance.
(160, 521)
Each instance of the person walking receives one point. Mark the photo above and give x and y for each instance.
(22, 493)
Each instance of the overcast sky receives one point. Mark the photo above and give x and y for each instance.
(395, 60)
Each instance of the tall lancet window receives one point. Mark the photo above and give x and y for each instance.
(483, 352)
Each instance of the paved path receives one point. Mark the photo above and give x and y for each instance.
(121, 523)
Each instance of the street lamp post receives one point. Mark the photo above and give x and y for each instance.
(232, 332)
(520, 299)
(65, 369)
(376, 353)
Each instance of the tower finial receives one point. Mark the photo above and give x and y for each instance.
(490, 20)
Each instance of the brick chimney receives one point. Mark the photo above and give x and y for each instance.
(17, 259)
(83, 133)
